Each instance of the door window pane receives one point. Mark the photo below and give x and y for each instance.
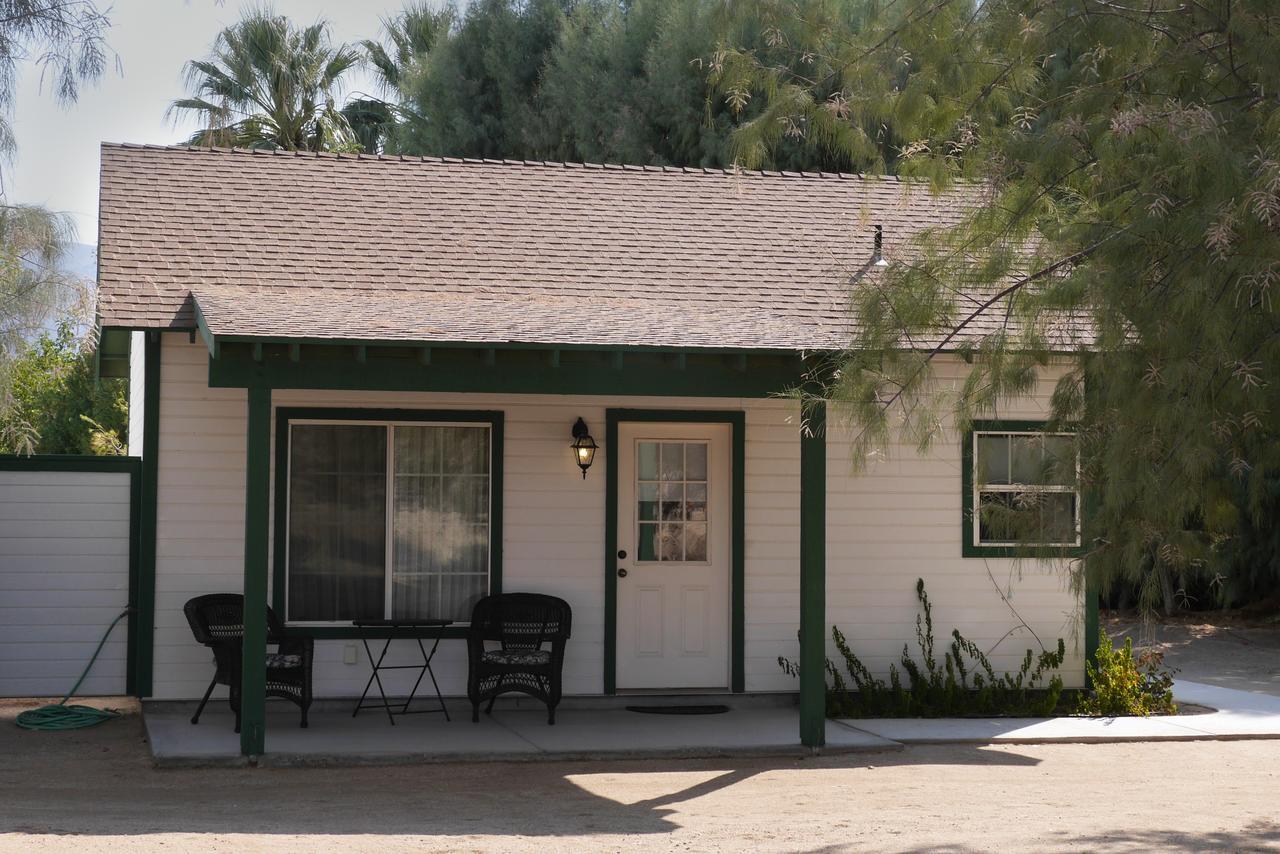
(672, 461)
(337, 522)
(647, 460)
(675, 474)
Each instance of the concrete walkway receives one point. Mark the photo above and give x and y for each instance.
(335, 737)
(1237, 715)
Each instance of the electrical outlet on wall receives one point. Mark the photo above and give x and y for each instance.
(349, 654)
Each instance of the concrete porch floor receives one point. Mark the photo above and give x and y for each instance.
(583, 731)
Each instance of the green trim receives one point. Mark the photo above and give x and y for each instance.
(257, 529)
(1092, 628)
(737, 421)
(70, 462)
(111, 356)
(967, 546)
(131, 466)
(497, 450)
(512, 371)
(610, 552)
(813, 576)
(215, 349)
(150, 485)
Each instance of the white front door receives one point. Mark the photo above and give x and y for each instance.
(674, 518)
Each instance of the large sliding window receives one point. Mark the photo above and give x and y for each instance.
(388, 517)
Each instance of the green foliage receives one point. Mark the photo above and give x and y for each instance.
(57, 404)
(964, 684)
(1124, 685)
(66, 39)
(268, 84)
(1128, 160)
(596, 81)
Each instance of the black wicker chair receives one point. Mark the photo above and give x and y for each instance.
(520, 623)
(217, 621)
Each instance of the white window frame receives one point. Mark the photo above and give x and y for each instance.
(979, 488)
(389, 474)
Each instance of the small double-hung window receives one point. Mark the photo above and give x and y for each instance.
(1022, 489)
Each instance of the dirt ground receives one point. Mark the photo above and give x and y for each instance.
(1232, 654)
(96, 790)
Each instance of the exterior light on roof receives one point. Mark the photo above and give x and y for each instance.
(877, 258)
(583, 447)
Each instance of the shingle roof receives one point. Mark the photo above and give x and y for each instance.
(434, 249)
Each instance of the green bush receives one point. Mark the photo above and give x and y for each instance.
(1127, 686)
(52, 402)
(964, 683)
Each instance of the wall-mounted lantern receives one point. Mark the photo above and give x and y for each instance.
(583, 446)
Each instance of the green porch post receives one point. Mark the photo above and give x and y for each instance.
(813, 575)
(1091, 627)
(253, 684)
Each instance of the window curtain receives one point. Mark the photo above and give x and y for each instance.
(337, 522)
(440, 522)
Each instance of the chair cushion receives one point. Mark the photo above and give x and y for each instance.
(279, 661)
(517, 656)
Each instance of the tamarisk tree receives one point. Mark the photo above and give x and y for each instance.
(1126, 160)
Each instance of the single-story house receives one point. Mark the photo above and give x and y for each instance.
(405, 345)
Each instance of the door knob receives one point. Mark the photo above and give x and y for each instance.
(622, 554)
(622, 572)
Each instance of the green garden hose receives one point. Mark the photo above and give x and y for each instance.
(60, 716)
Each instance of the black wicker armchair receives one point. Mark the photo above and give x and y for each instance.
(520, 624)
(217, 621)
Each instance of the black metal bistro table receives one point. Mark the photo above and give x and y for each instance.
(417, 630)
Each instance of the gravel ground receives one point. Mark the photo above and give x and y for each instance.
(95, 790)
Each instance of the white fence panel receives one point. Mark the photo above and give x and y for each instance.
(64, 576)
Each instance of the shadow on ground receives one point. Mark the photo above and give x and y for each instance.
(101, 782)
(1258, 836)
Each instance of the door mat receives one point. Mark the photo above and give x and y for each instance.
(679, 710)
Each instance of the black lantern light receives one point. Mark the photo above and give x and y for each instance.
(583, 447)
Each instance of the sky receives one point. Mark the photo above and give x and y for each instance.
(57, 158)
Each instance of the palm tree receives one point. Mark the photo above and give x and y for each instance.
(410, 36)
(267, 84)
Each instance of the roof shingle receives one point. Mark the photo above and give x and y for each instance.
(441, 249)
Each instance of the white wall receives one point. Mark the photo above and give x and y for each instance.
(900, 519)
(64, 576)
(553, 533)
(137, 391)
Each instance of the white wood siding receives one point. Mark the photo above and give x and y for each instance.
(137, 391)
(899, 519)
(553, 527)
(64, 576)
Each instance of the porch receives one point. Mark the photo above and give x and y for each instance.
(586, 728)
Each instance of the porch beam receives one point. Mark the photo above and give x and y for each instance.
(253, 685)
(813, 575)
